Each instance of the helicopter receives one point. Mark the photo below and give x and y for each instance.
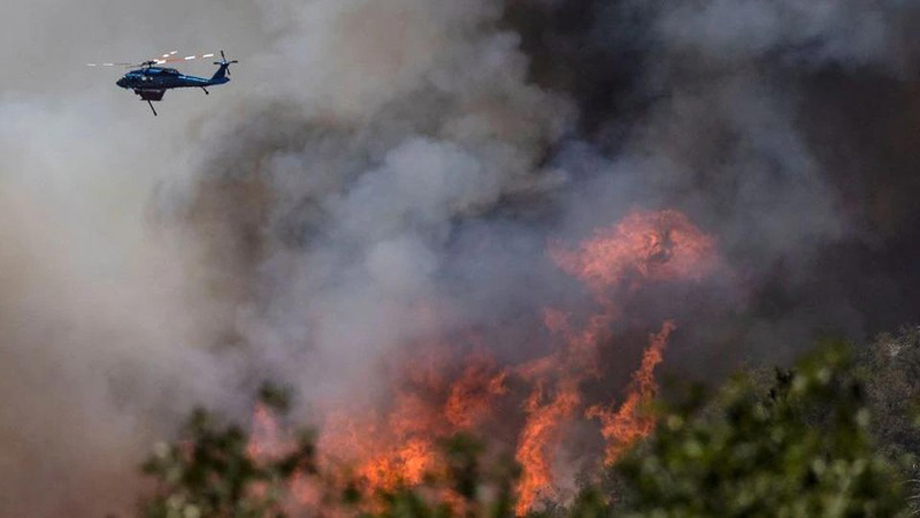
(150, 80)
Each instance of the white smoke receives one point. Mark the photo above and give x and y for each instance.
(411, 115)
(101, 323)
(367, 127)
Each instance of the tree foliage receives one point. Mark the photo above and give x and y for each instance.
(891, 367)
(210, 472)
(802, 449)
(802, 446)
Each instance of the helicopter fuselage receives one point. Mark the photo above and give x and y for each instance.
(159, 79)
(150, 81)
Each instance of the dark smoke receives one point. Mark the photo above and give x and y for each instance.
(790, 128)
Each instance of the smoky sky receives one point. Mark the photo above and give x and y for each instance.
(382, 173)
(791, 128)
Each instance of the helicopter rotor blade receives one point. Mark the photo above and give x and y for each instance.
(168, 57)
(131, 64)
(182, 59)
(164, 57)
(109, 64)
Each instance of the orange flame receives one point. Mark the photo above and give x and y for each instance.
(401, 446)
(655, 245)
(470, 398)
(648, 245)
(540, 433)
(621, 428)
(439, 393)
(382, 456)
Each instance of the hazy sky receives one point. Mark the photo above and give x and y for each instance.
(370, 157)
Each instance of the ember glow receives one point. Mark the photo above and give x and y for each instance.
(440, 392)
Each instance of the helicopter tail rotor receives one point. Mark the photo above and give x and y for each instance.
(224, 63)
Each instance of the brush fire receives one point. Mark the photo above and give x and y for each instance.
(441, 392)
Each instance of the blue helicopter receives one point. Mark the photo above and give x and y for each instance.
(150, 80)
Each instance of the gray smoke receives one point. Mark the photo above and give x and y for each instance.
(740, 84)
(781, 126)
(384, 173)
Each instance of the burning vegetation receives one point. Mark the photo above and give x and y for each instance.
(802, 443)
(440, 393)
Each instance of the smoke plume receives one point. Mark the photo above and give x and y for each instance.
(379, 185)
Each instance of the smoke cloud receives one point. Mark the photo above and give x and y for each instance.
(384, 174)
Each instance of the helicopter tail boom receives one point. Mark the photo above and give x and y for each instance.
(220, 76)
